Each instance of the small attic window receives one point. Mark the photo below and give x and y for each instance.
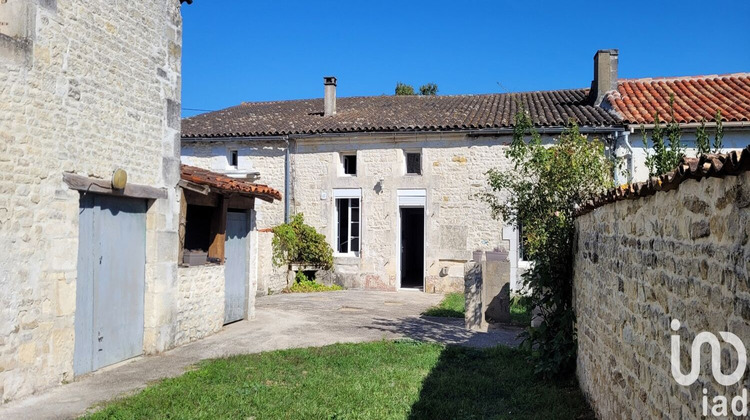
(349, 162)
(234, 157)
(414, 163)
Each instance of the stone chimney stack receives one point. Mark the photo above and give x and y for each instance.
(330, 96)
(605, 74)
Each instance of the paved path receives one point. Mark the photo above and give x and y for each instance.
(282, 321)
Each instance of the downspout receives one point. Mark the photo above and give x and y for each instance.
(624, 135)
(287, 181)
(631, 158)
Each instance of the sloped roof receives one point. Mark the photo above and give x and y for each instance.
(224, 183)
(696, 98)
(706, 166)
(399, 113)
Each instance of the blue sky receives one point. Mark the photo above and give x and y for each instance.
(247, 50)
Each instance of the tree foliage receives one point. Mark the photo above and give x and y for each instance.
(542, 192)
(428, 89)
(404, 89)
(298, 243)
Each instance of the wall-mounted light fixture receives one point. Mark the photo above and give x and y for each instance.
(119, 179)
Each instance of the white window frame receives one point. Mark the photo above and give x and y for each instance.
(341, 164)
(407, 152)
(346, 194)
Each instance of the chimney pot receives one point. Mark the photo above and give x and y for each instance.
(329, 99)
(605, 74)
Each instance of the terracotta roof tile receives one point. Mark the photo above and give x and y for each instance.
(224, 183)
(696, 98)
(707, 166)
(399, 113)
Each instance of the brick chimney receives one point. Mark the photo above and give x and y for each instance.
(605, 75)
(329, 101)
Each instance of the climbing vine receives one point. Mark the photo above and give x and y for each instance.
(702, 141)
(664, 157)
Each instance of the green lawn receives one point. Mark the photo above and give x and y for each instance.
(380, 380)
(453, 305)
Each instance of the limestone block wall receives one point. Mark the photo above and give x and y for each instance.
(85, 87)
(639, 264)
(453, 172)
(267, 159)
(200, 302)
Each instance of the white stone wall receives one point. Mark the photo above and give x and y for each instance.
(92, 86)
(453, 173)
(454, 167)
(255, 156)
(200, 302)
(639, 264)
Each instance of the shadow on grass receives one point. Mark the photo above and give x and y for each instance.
(494, 383)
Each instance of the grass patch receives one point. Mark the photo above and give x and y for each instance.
(380, 380)
(520, 314)
(305, 284)
(453, 306)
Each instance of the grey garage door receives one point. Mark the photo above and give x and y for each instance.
(111, 281)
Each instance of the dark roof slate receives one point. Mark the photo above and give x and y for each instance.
(399, 113)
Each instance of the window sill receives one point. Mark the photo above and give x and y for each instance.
(348, 255)
(239, 173)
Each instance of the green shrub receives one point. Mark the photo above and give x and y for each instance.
(542, 192)
(298, 243)
(304, 285)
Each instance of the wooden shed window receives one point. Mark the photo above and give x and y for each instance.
(198, 227)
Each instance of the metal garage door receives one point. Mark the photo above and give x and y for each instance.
(111, 281)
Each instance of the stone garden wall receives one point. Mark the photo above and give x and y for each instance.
(681, 254)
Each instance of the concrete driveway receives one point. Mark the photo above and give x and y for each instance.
(281, 321)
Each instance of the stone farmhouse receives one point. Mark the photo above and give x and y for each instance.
(92, 195)
(392, 181)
